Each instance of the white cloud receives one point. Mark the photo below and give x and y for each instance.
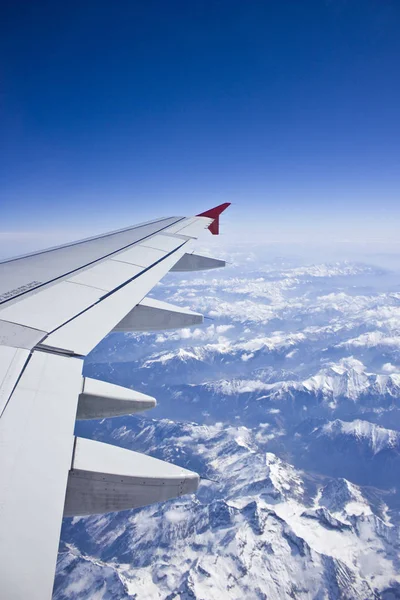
(210, 333)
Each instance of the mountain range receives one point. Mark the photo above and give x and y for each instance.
(287, 405)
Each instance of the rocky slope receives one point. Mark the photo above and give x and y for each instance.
(287, 404)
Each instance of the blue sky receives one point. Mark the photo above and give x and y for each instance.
(113, 113)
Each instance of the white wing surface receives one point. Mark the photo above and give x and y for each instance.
(55, 307)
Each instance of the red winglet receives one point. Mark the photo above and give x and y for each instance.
(214, 213)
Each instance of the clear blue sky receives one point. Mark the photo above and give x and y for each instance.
(114, 112)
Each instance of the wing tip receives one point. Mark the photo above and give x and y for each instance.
(214, 213)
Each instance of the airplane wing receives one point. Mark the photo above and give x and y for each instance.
(55, 307)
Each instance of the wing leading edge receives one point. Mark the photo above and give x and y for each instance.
(55, 306)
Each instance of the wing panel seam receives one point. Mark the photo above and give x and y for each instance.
(93, 287)
(16, 383)
(85, 265)
(90, 239)
(113, 291)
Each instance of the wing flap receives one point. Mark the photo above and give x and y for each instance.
(36, 442)
(85, 331)
(164, 242)
(107, 275)
(19, 336)
(54, 305)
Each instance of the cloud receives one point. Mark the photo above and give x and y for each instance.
(372, 339)
(210, 333)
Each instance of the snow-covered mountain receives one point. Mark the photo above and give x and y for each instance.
(287, 404)
(347, 379)
(376, 439)
(359, 450)
(258, 528)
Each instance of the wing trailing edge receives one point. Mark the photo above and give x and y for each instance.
(56, 306)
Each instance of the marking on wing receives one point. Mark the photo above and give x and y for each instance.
(16, 335)
(53, 305)
(29, 287)
(19, 290)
